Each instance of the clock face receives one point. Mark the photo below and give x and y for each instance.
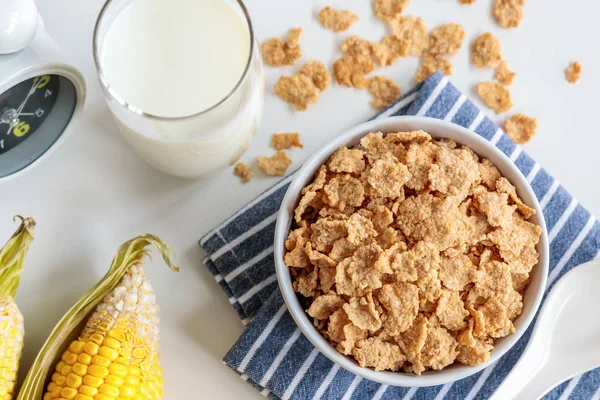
(24, 107)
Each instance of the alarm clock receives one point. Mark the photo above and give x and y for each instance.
(41, 92)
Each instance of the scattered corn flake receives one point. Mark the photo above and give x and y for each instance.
(493, 279)
(337, 20)
(344, 190)
(496, 96)
(275, 52)
(431, 63)
(384, 91)
(326, 232)
(451, 311)
(446, 39)
(362, 313)
(323, 306)
(520, 128)
(504, 186)
(298, 90)
(357, 46)
(495, 206)
(413, 30)
(347, 160)
(379, 355)
(276, 165)
(573, 72)
(489, 173)
(401, 300)
(454, 172)
(244, 171)
(509, 13)
(466, 1)
(318, 73)
(389, 9)
(351, 70)
(361, 271)
(455, 272)
(486, 51)
(390, 49)
(284, 141)
(387, 177)
(439, 349)
(504, 75)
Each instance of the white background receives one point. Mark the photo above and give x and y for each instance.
(93, 193)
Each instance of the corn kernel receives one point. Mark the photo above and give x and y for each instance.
(66, 370)
(102, 396)
(114, 380)
(80, 369)
(68, 393)
(109, 353)
(112, 343)
(88, 390)
(98, 371)
(56, 391)
(135, 371)
(97, 338)
(120, 336)
(91, 348)
(60, 380)
(101, 361)
(118, 369)
(76, 347)
(92, 381)
(83, 397)
(69, 358)
(74, 381)
(48, 396)
(84, 359)
(109, 390)
(60, 365)
(131, 380)
(127, 391)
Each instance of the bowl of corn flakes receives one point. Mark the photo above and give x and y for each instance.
(411, 251)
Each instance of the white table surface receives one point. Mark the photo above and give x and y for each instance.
(93, 193)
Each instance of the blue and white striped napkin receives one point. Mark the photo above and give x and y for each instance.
(274, 357)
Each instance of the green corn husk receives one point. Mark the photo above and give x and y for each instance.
(131, 253)
(12, 255)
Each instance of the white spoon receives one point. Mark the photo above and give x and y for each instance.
(565, 341)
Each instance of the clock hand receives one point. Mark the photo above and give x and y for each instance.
(31, 91)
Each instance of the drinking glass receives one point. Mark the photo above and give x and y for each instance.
(194, 145)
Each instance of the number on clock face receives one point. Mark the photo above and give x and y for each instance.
(24, 107)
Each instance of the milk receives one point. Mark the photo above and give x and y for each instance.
(184, 81)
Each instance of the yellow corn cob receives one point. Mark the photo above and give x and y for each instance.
(115, 355)
(11, 319)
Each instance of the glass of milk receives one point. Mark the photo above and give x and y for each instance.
(183, 79)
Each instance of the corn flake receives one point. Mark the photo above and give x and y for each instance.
(337, 20)
(379, 355)
(401, 300)
(504, 186)
(387, 177)
(495, 206)
(455, 272)
(298, 90)
(347, 160)
(496, 96)
(284, 141)
(362, 313)
(384, 90)
(520, 128)
(275, 52)
(317, 72)
(573, 72)
(351, 70)
(413, 30)
(446, 39)
(454, 172)
(439, 349)
(493, 279)
(276, 165)
(485, 51)
(361, 271)
(390, 49)
(323, 306)
(344, 190)
(326, 232)
(244, 171)
(509, 13)
(489, 173)
(433, 62)
(451, 311)
(389, 9)
(504, 75)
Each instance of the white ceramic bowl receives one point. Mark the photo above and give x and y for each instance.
(437, 129)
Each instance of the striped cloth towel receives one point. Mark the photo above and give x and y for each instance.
(274, 357)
